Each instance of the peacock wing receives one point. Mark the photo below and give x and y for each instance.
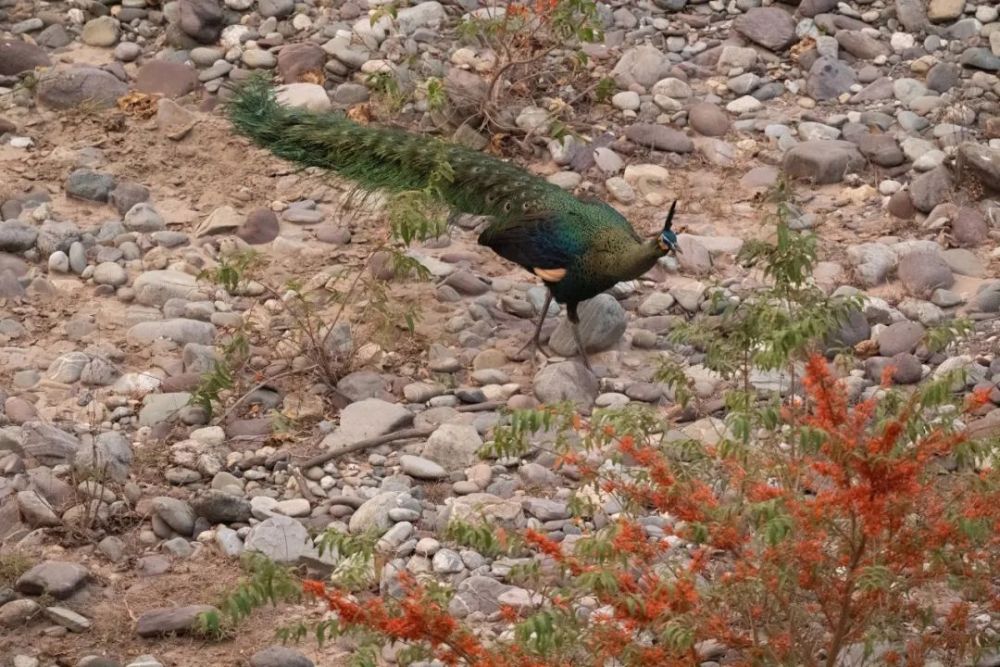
(542, 242)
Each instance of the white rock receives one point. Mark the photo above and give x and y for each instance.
(309, 96)
(744, 104)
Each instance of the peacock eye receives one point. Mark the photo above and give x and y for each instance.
(524, 206)
(506, 207)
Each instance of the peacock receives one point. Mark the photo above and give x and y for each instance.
(578, 248)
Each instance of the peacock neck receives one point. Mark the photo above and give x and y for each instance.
(639, 259)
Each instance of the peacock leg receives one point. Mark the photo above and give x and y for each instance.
(574, 320)
(536, 346)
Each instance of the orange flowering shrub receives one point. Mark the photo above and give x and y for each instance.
(836, 528)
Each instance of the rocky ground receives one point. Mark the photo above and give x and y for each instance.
(111, 203)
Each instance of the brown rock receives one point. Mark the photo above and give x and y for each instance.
(707, 119)
(166, 78)
(969, 227)
(297, 60)
(901, 206)
(771, 27)
(260, 226)
(17, 56)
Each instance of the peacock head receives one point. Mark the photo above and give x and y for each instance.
(668, 238)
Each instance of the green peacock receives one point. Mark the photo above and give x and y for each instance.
(577, 248)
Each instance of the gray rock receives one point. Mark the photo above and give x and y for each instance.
(424, 14)
(771, 27)
(861, 45)
(144, 218)
(58, 262)
(981, 163)
(943, 76)
(923, 272)
(155, 288)
(969, 227)
(110, 273)
(467, 283)
(276, 8)
(360, 385)
(279, 656)
(446, 561)
(566, 381)
(35, 510)
(900, 337)
(981, 58)
(368, 418)
(86, 183)
(643, 65)
(349, 94)
(828, 78)
(220, 507)
(16, 236)
(930, 189)
(57, 236)
(602, 324)
(229, 542)
(823, 161)
(421, 468)
(59, 579)
(881, 149)
(180, 330)
(964, 262)
(127, 194)
(477, 594)
(158, 408)
(171, 621)
(851, 331)
(110, 453)
(76, 85)
(202, 20)
(177, 514)
(545, 509)
(906, 368)
(453, 446)
(659, 137)
(987, 298)
(912, 14)
(373, 515)
(68, 619)
(282, 539)
(810, 8)
(922, 311)
(67, 367)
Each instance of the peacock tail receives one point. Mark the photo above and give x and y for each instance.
(388, 159)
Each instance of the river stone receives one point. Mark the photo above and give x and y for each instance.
(771, 27)
(566, 381)
(171, 621)
(453, 446)
(79, 84)
(368, 418)
(60, 579)
(823, 161)
(602, 324)
(923, 272)
(900, 337)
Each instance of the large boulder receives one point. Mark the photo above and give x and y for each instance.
(78, 85)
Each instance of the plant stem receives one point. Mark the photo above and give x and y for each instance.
(845, 606)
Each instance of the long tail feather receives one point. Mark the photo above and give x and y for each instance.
(378, 158)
